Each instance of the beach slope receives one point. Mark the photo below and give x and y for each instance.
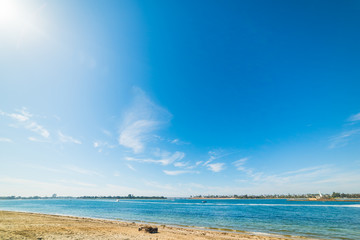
(19, 225)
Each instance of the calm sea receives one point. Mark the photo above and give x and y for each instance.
(320, 220)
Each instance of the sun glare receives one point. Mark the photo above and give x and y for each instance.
(9, 12)
(20, 21)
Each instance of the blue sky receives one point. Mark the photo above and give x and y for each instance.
(178, 98)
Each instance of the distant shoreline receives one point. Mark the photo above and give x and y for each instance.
(325, 200)
(191, 198)
(85, 198)
(288, 199)
(236, 198)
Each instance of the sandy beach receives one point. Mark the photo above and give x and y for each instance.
(19, 225)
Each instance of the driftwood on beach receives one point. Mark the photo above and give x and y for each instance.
(149, 229)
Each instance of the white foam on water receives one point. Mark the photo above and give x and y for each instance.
(248, 204)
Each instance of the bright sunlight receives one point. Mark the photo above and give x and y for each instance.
(9, 12)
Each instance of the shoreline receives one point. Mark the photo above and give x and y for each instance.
(288, 199)
(17, 225)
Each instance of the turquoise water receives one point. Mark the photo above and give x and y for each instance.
(321, 220)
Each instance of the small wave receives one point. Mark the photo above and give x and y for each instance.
(287, 205)
(246, 204)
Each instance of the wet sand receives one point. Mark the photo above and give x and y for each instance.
(19, 225)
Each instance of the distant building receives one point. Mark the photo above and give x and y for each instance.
(54, 195)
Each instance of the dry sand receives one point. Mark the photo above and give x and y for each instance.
(19, 225)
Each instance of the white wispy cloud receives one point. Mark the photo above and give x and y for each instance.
(8, 140)
(216, 167)
(354, 118)
(314, 173)
(343, 138)
(187, 165)
(96, 144)
(240, 166)
(107, 133)
(166, 160)
(18, 117)
(24, 119)
(131, 167)
(308, 169)
(178, 141)
(181, 164)
(239, 163)
(34, 139)
(33, 126)
(316, 178)
(177, 172)
(134, 135)
(100, 145)
(347, 134)
(195, 165)
(216, 154)
(143, 118)
(67, 139)
(213, 155)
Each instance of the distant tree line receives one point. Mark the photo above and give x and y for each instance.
(344, 195)
(130, 196)
(279, 196)
(245, 196)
